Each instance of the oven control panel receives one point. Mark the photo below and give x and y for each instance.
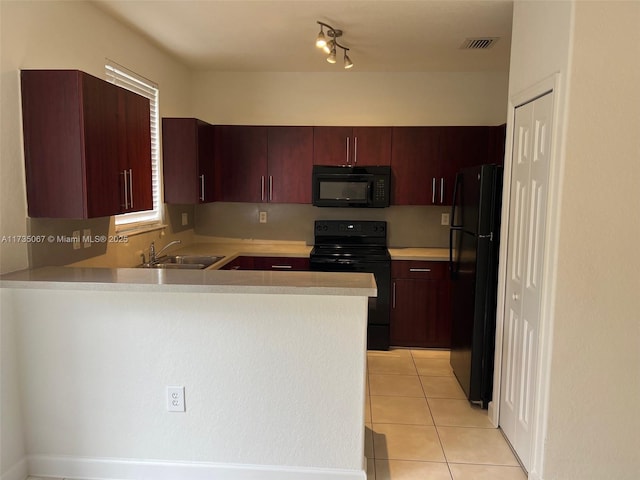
(345, 228)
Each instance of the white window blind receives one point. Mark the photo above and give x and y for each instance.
(125, 78)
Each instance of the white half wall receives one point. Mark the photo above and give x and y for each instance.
(272, 381)
(13, 464)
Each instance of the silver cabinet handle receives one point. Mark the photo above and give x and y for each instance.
(347, 150)
(131, 188)
(355, 150)
(202, 187)
(433, 190)
(419, 269)
(393, 298)
(270, 187)
(262, 188)
(442, 190)
(126, 194)
(282, 267)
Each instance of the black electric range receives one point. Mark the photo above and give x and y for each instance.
(358, 246)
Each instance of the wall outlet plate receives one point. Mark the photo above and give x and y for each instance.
(444, 219)
(185, 219)
(175, 399)
(263, 217)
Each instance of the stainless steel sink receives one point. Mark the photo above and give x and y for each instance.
(185, 262)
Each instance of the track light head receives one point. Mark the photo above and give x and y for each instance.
(332, 56)
(347, 61)
(321, 42)
(328, 47)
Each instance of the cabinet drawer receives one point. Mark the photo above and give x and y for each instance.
(281, 263)
(419, 269)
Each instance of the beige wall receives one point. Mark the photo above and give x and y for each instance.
(594, 429)
(351, 98)
(73, 35)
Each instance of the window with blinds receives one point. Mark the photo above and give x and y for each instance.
(125, 78)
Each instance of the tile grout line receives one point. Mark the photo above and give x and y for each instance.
(444, 453)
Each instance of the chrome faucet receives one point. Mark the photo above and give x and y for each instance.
(153, 256)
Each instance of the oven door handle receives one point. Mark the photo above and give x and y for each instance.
(345, 261)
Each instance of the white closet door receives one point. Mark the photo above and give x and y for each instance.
(527, 221)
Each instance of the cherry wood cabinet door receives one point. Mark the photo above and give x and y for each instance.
(70, 124)
(134, 141)
(415, 165)
(206, 168)
(460, 147)
(187, 148)
(240, 263)
(331, 145)
(371, 146)
(281, 263)
(497, 139)
(101, 124)
(420, 311)
(290, 161)
(240, 163)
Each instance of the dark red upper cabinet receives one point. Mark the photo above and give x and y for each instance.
(87, 146)
(290, 161)
(352, 146)
(425, 160)
(263, 164)
(187, 147)
(240, 163)
(415, 163)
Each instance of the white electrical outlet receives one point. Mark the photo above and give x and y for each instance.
(444, 219)
(76, 239)
(86, 237)
(263, 217)
(175, 399)
(185, 219)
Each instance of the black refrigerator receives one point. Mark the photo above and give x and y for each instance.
(473, 262)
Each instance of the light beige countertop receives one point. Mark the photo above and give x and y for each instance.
(425, 254)
(193, 281)
(231, 250)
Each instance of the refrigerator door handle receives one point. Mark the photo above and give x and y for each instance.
(452, 269)
(454, 201)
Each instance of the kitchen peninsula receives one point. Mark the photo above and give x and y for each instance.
(272, 365)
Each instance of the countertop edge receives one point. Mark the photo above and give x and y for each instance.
(201, 281)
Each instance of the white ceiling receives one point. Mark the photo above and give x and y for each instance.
(279, 36)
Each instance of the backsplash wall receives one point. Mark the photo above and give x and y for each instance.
(408, 226)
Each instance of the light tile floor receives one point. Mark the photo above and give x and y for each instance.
(419, 424)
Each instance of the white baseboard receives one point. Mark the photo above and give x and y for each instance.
(18, 471)
(121, 469)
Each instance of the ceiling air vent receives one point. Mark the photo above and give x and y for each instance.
(479, 43)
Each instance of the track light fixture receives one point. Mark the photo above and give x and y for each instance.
(329, 47)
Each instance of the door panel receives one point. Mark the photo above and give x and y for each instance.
(525, 254)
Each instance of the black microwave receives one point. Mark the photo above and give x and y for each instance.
(349, 186)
